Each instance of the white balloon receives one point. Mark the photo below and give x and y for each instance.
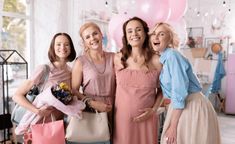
(216, 24)
(127, 7)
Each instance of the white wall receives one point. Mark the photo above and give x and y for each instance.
(90, 10)
(212, 13)
(49, 17)
(52, 16)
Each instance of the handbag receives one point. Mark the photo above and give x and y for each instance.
(93, 127)
(19, 111)
(48, 133)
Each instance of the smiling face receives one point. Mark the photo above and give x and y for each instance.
(62, 47)
(160, 38)
(135, 34)
(92, 38)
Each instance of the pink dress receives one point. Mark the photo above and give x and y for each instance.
(98, 79)
(55, 76)
(136, 89)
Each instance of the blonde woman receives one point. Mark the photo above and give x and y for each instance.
(93, 71)
(191, 118)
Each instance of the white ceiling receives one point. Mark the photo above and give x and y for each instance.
(210, 6)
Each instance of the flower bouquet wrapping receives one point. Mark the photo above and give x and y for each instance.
(62, 92)
(60, 97)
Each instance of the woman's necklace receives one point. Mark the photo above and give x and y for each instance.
(92, 62)
(136, 59)
(156, 52)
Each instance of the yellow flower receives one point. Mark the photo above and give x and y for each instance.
(64, 86)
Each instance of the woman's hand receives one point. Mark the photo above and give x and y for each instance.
(45, 111)
(171, 132)
(100, 106)
(171, 135)
(147, 113)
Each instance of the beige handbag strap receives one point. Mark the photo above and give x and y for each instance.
(44, 78)
(52, 119)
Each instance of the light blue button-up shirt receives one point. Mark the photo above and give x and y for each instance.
(177, 78)
(219, 74)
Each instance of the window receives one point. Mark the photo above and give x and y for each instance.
(15, 34)
(14, 22)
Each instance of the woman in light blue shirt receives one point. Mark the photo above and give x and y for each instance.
(191, 118)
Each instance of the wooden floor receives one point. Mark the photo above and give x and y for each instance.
(227, 128)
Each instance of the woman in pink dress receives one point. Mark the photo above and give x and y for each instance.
(137, 70)
(94, 72)
(60, 52)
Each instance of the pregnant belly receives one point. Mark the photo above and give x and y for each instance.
(138, 107)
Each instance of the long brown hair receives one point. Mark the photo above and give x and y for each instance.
(127, 49)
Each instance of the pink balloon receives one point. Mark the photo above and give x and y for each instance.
(153, 11)
(178, 9)
(115, 27)
(113, 23)
(118, 36)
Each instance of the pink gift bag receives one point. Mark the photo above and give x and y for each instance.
(48, 133)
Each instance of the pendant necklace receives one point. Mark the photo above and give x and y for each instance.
(92, 62)
(156, 52)
(135, 59)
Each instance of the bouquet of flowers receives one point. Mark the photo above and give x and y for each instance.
(58, 96)
(62, 92)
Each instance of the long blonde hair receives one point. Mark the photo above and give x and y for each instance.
(174, 42)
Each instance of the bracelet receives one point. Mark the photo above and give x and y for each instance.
(87, 100)
(154, 109)
(84, 98)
